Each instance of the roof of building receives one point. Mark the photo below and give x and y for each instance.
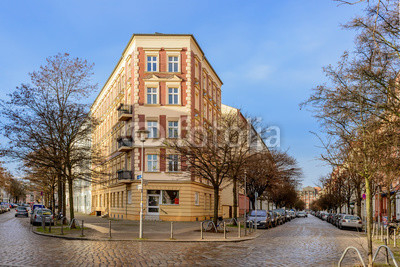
(157, 34)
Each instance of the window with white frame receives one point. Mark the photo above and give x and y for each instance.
(151, 63)
(173, 129)
(152, 95)
(153, 129)
(152, 163)
(173, 96)
(173, 64)
(196, 198)
(173, 163)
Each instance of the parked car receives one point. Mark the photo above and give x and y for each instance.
(39, 213)
(350, 221)
(302, 214)
(282, 215)
(21, 211)
(36, 206)
(292, 214)
(288, 217)
(262, 217)
(274, 218)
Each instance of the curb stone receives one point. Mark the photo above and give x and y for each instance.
(149, 240)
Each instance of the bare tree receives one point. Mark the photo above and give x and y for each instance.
(48, 125)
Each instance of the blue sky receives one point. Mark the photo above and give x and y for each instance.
(269, 54)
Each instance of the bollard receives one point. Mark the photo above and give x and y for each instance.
(239, 230)
(82, 229)
(109, 225)
(388, 235)
(43, 224)
(224, 230)
(387, 253)
(172, 230)
(201, 230)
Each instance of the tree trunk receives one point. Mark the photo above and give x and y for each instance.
(59, 191)
(64, 201)
(216, 204)
(369, 219)
(235, 200)
(348, 206)
(358, 198)
(71, 202)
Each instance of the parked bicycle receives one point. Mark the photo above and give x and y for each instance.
(208, 225)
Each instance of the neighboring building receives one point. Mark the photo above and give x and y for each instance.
(256, 144)
(82, 196)
(165, 84)
(309, 194)
(4, 196)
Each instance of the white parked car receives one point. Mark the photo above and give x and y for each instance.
(350, 221)
(302, 214)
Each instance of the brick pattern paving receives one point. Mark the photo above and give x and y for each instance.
(301, 242)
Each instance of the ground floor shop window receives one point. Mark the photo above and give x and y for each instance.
(170, 197)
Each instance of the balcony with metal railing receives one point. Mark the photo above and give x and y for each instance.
(124, 176)
(124, 112)
(125, 144)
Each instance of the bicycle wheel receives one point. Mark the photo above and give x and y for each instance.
(208, 226)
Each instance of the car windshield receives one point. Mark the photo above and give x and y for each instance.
(352, 217)
(260, 213)
(21, 208)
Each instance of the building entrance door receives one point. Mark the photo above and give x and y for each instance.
(153, 204)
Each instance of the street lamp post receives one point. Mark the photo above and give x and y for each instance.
(142, 134)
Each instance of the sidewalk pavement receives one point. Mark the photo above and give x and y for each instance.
(97, 228)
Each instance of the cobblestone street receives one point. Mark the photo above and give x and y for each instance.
(301, 242)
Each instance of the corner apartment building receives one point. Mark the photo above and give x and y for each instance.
(162, 83)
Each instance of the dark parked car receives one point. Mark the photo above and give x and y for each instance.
(21, 211)
(262, 217)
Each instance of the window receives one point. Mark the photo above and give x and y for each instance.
(173, 64)
(196, 198)
(151, 95)
(129, 197)
(173, 163)
(151, 63)
(152, 128)
(170, 197)
(172, 129)
(152, 163)
(173, 96)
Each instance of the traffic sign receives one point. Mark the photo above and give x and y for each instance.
(139, 177)
(364, 196)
